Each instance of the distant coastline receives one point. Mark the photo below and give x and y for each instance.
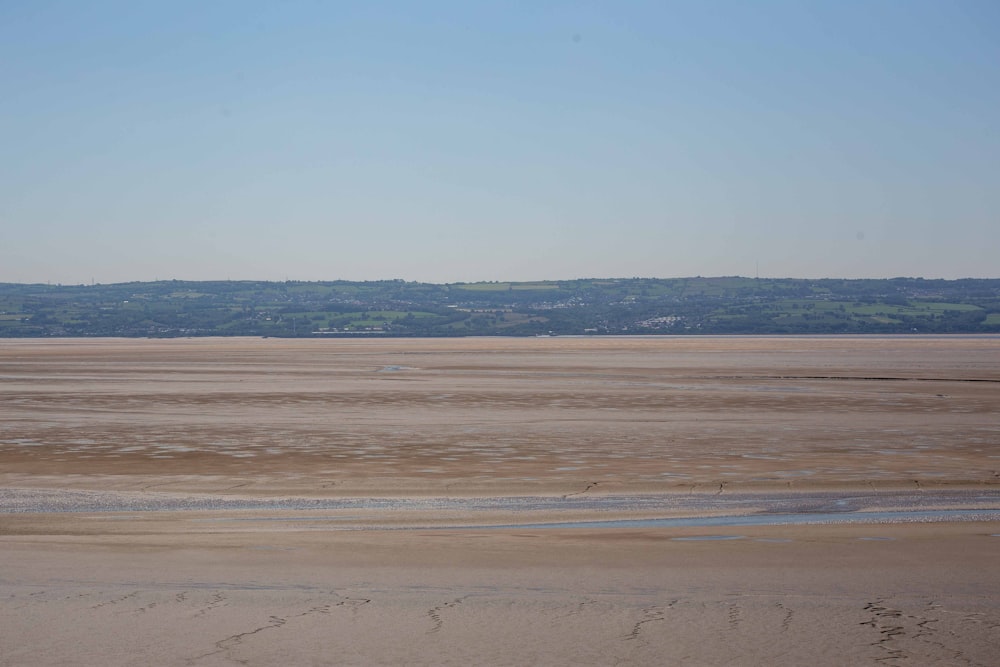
(396, 308)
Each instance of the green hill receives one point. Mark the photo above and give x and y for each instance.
(722, 305)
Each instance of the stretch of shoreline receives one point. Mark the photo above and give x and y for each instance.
(594, 510)
(751, 501)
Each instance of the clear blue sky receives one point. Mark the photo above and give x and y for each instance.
(458, 140)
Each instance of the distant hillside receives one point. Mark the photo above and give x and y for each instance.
(727, 305)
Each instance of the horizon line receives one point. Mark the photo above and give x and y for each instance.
(94, 283)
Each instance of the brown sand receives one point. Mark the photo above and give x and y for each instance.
(556, 417)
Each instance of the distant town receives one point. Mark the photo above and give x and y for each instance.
(623, 306)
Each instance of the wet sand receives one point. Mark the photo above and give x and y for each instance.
(202, 502)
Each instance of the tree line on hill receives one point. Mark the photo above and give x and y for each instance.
(624, 306)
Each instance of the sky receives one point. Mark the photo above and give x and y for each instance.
(459, 141)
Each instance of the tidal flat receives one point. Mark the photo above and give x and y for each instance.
(606, 500)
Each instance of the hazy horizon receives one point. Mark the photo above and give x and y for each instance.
(459, 282)
(446, 142)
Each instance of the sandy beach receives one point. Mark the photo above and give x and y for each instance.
(481, 501)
